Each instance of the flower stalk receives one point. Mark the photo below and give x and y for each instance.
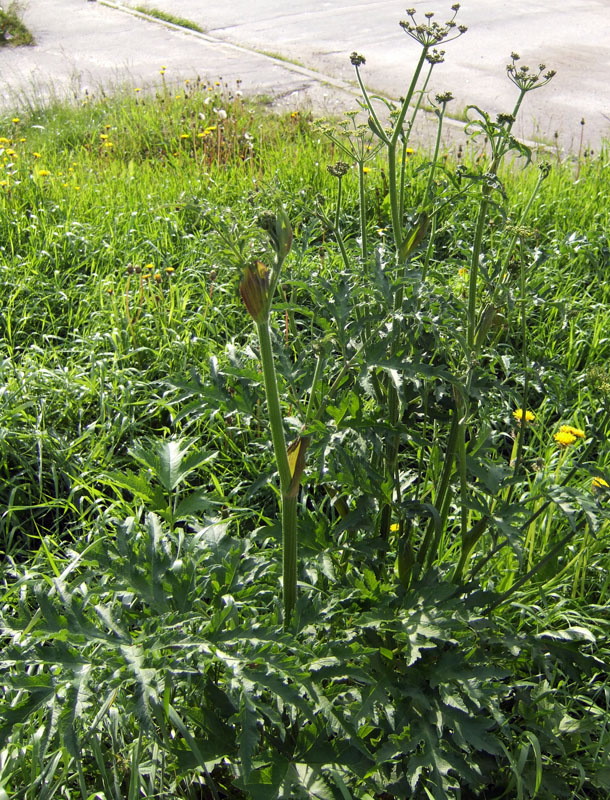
(257, 289)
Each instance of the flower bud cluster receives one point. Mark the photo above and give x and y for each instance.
(339, 169)
(431, 32)
(526, 79)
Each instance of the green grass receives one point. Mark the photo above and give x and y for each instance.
(167, 17)
(143, 651)
(13, 33)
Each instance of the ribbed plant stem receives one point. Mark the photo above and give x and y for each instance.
(289, 503)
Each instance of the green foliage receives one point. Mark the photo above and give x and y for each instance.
(448, 639)
(167, 17)
(13, 32)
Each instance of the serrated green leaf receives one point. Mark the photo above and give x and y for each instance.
(249, 734)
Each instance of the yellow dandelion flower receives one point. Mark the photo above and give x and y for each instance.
(577, 432)
(36, 155)
(43, 173)
(4, 140)
(158, 277)
(409, 151)
(3, 184)
(12, 153)
(148, 267)
(463, 272)
(169, 270)
(599, 483)
(16, 120)
(76, 188)
(185, 136)
(395, 527)
(366, 170)
(22, 139)
(137, 89)
(564, 439)
(146, 276)
(519, 415)
(103, 135)
(109, 144)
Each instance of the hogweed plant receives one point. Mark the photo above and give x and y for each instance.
(413, 503)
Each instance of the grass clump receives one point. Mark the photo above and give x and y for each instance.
(187, 290)
(165, 16)
(13, 32)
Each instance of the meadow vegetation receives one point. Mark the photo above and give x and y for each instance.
(304, 460)
(13, 31)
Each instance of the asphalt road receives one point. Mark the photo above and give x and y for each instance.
(85, 44)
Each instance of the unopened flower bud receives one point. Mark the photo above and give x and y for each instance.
(357, 60)
(254, 288)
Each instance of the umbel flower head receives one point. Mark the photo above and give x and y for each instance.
(431, 32)
(526, 79)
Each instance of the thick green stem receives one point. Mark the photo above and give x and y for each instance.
(363, 241)
(434, 161)
(289, 553)
(338, 209)
(474, 268)
(394, 192)
(289, 499)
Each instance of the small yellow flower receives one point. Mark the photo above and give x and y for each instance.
(185, 136)
(36, 155)
(103, 135)
(16, 120)
(366, 170)
(463, 272)
(409, 151)
(148, 267)
(599, 483)
(43, 173)
(22, 139)
(76, 188)
(395, 527)
(137, 89)
(4, 140)
(158, 277)
(518, 415)
(169, 270)
(108, 144)
(577, 432)
(564, 439)
(146, 276)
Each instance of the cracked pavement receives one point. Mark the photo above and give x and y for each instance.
(83, 45)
